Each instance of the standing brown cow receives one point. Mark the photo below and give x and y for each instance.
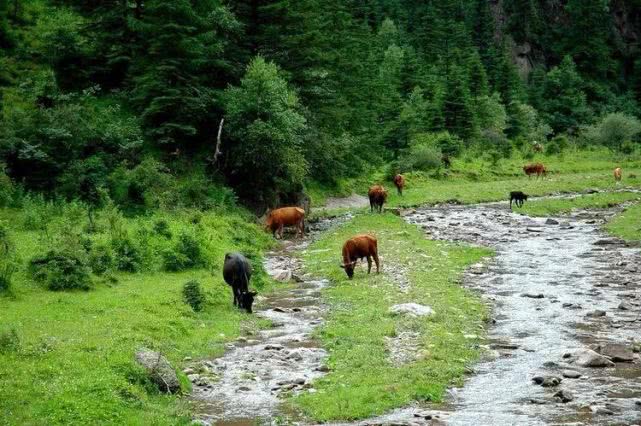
(377, 197)
(538, 169)
(617, 174)
(357, 248)
(286, 216)
(399, 181)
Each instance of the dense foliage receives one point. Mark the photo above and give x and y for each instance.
(116, 98)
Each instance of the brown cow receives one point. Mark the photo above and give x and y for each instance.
(538, 169)
(357, 248)
(617, 174)
(377, 197)
(286, 216)
(399, 181)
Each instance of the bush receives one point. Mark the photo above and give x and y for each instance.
(61, 270)
(613, 130)
(193, 295)
(628, 148)
(557, 145)
(7, 259)
(101, 259)
(37, 213)
(127, 256)
(9, 341)
(161, 227)
(185, 254)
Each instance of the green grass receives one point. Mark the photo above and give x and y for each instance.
(549, 207)
(474, 180)
(362, 382)
(74, 364)
(627, 225)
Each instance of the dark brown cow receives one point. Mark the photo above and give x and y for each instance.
(399, 181)
(377, 197)
(286, 216)
(237, 271)
(361, 246)
(537, 169)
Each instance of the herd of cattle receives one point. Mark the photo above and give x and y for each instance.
(237, 269)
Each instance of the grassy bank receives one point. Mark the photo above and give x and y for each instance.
(474, 180)
(550, 207)
(627, 225)
(362, 381)
(67, 357)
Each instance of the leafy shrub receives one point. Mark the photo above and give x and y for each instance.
(628, 148)
(101, 259)
(7, 259)
(186, 254)
(193, 295)
(557, 145)
(614, 130)
(6, 188)
(161, 227)
(61, 270)
(9, 341)
(127, 256)
(37, 213)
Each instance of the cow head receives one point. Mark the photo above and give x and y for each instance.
(349, 269)
(247, 300)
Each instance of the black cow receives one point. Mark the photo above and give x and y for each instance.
(518, 197)
(237, 272)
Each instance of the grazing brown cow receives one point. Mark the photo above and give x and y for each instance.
(357, 248)
(617, 174)
(286, 216)
(377, 197)
(538, 169)
(399, 181)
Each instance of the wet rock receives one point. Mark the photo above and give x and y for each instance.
(323, 369)
(591, 191)
(547, 381)
(281, 275)
(159, 369)
(412, 309)
(532, 229)
(572, 306)
(570, 374)
(564, 396)
(625, 306)
(533, 295)
(596, 314)
(551, 221)
(606, 242)
(538, 401)
(590, 358)
(617, 353)
(274, 347)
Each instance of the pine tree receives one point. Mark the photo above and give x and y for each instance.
(458, 114)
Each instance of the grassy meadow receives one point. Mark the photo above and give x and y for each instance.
(362, 381)
(66, 357)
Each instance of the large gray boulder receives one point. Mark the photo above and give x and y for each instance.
(589, 358)
(159, 369)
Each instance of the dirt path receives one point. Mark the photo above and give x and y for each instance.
(550, 285)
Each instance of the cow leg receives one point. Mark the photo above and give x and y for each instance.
(369, 264)
(377, 262)
(280, 231)
(511, 204)
(236, 299)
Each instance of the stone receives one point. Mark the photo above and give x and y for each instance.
(571, 374)
(412, 309)
(547, 381)
(281, 275)
(551, 221)
(625, 306)
(274, 347)
(159, 369)
(616, 352)
(590, 358)
(564, 396)
(596, 314)
(531, 229)
(533, 295)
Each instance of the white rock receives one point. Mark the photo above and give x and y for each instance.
(413, 309)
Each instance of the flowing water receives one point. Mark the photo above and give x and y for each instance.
(544, 286)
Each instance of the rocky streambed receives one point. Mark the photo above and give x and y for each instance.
(562, 349)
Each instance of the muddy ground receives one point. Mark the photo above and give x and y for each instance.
(558, 288)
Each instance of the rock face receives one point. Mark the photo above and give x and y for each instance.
(589, 358)
(412, 309)
(564, 396)
(159, 369)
